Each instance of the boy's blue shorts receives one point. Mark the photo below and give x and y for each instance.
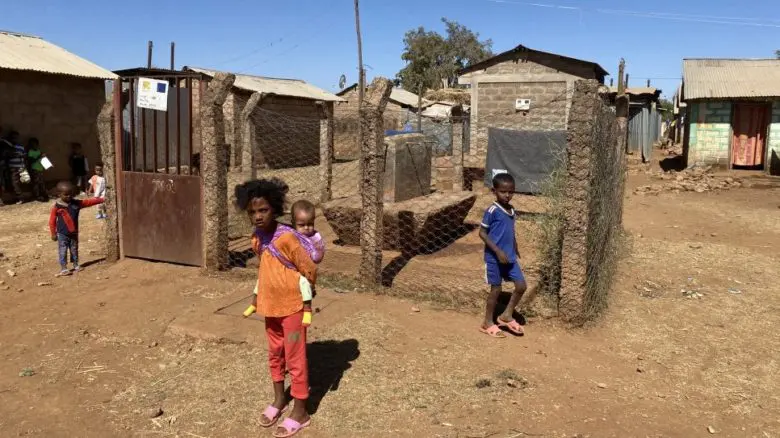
(496, 273)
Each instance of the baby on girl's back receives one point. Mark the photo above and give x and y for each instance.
(303, 215)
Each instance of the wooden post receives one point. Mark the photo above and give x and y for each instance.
(361, 72)
(326, 151)
(456, 119)
(371, 165)
(419, 108)
(621, 112)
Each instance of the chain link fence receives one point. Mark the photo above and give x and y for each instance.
(394, 213)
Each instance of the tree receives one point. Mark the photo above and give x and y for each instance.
(433, 60)
(668, 109)
(777, 54)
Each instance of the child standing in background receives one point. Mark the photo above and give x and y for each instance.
(34, 156)
(501, 258)
(97, 188)
(64, 225)
(78, 167)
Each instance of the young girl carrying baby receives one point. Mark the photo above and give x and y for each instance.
(284, 260)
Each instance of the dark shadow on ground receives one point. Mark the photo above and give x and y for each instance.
(328, 360)
(92, 262)
(503, 301)
(673, 163)
(434, 238)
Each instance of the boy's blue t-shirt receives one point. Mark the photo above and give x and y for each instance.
(500, 225)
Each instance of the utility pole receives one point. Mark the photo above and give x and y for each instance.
(621, 108)
(361, 72)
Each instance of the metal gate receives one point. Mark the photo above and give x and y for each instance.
(160, 193)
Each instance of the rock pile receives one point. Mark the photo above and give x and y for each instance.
(697, 180)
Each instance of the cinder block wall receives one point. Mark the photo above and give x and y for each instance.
(497, 108)
(55, 109)
(710, 137)
(346, 122)
(545, 79)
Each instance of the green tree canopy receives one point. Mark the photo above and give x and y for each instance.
(433, 60)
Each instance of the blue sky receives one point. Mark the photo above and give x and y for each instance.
(315, 39)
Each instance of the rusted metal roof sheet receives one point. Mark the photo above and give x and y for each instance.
(730, 78)
(280, 87)
(31, 53)
(397, 95)
(406, 98)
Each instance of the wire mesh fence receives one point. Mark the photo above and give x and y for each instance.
(426, 237)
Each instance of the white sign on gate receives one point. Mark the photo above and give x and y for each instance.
(152, 94)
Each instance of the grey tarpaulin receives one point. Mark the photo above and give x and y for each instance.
(529, 156)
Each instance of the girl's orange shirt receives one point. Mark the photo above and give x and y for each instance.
(278, 287)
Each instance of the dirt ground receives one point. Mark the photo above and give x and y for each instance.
(687, 348)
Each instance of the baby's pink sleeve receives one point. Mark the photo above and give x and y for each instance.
(319, 247)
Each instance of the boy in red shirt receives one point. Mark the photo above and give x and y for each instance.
(64, 224)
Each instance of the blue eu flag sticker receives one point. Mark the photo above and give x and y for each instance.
(161, 87)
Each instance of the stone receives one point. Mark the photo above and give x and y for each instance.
(154, 412)
(10, 273)
(407, 167)
(602, 385)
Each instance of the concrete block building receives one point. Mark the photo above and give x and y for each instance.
(286, 121)
(732, 113)
(53, 95)
(542, 80)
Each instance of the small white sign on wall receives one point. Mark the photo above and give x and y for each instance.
(152, 94)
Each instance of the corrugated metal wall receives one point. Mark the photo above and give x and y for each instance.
(644, 129)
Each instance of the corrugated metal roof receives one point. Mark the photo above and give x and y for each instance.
(280, 87)
(730, 78)
(397, 95)
(637, 91)
(31, 53)
(482, 65)
(405, 97)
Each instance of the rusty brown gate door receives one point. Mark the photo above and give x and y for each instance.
(159, 187)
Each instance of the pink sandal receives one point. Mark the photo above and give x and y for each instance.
(273, 414)
(493, 331)
(291, 427)
(513, 326)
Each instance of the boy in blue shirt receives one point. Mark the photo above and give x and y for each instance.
(501, 257)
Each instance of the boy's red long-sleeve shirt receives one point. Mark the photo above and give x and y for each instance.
(64, 217)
